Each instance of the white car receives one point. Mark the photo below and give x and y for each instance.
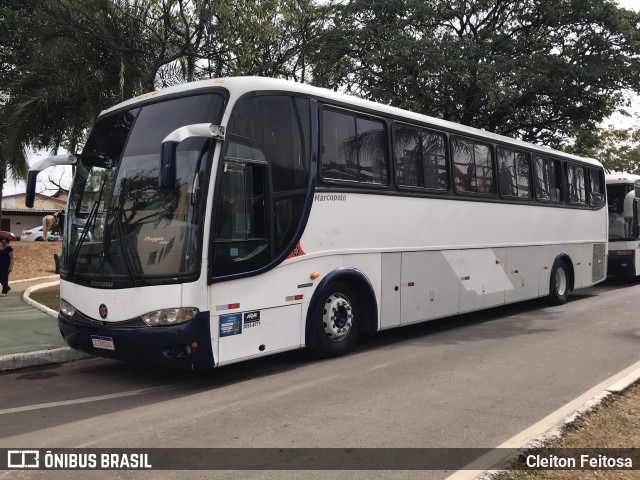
(35, 235)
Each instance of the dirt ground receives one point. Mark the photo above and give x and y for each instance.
(34, 259)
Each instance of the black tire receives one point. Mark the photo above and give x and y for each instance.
(39, 239)
(336, 321)
(559, 293)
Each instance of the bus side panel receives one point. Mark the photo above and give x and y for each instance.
(522, 271)
(551, 252)
(283, 328)
(548, 254)
(430, 285)
(390, 298)
(579, 260)
(595, 262)
(372, 265)
(483, 279)
(259, 332)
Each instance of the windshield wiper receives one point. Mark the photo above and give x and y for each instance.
(85, 231)
(125, 258)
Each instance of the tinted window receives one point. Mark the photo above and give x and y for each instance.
(434, 161)
(241, 227)
(548, 179)
(473, 166)
(420, 158)
(354, 149)
(280, 125)
(596, 195)
(576, 184)
(279, 128)
(372, 151)
(408, 156)
(514, 173)
(339, 156)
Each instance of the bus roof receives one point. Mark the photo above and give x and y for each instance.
(613, 178)
(238, 86)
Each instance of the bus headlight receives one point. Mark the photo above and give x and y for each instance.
(66, 308)
(169, 316)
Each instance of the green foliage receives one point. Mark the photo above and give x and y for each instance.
(536, 69)
(617, 149)
(274, 38)
(546, 71)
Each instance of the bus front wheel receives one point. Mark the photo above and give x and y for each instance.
(336, 321)
(559, 284)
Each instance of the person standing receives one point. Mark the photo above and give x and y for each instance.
(6, 265)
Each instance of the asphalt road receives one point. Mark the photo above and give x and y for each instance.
(469, 381)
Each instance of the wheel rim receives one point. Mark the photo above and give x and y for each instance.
(561, 281)
(337, 317)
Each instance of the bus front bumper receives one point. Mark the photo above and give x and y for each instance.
(621, 265)
(184, 346)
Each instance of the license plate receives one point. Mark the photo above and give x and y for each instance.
(105, 343)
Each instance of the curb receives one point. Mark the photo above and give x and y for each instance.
(556, 431)
(18, 361)
(26, 296)
(24, 280)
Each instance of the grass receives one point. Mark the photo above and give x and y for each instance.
(616, 424)
(49, 297)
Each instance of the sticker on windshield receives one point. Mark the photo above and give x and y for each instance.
(230, 324)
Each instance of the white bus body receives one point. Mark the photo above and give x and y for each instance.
(624, 237)
(264, 246)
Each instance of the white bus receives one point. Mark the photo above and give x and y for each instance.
(624, 234)
(228, 219)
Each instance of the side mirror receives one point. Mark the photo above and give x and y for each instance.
(627, 209)
(597, 199)
(167, 173)
(43, 164)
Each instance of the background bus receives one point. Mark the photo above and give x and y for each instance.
(229, 219)
(623, 224)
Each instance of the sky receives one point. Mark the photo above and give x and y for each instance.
(62, 175)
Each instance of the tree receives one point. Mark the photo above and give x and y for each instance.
(271, 38)
(63, 61)
(617, 148)
(536, 69)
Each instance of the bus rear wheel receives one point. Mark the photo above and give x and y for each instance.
(336, 321)
(559, 284)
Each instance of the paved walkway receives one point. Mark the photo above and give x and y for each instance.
(29, 336)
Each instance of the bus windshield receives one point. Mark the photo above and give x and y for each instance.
(620, 227)
(120, 226)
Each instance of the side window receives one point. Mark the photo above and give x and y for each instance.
(596, 187)
(354, 149)
(434, 159)
(420, 158)
(408, 157)
(339, 155)
(514, 173)
(277, 127)
(473, 167)
(372, 151)
(241, 225)
(576, 186)
(548, 179)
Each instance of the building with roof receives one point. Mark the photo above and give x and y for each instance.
(16, 217)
